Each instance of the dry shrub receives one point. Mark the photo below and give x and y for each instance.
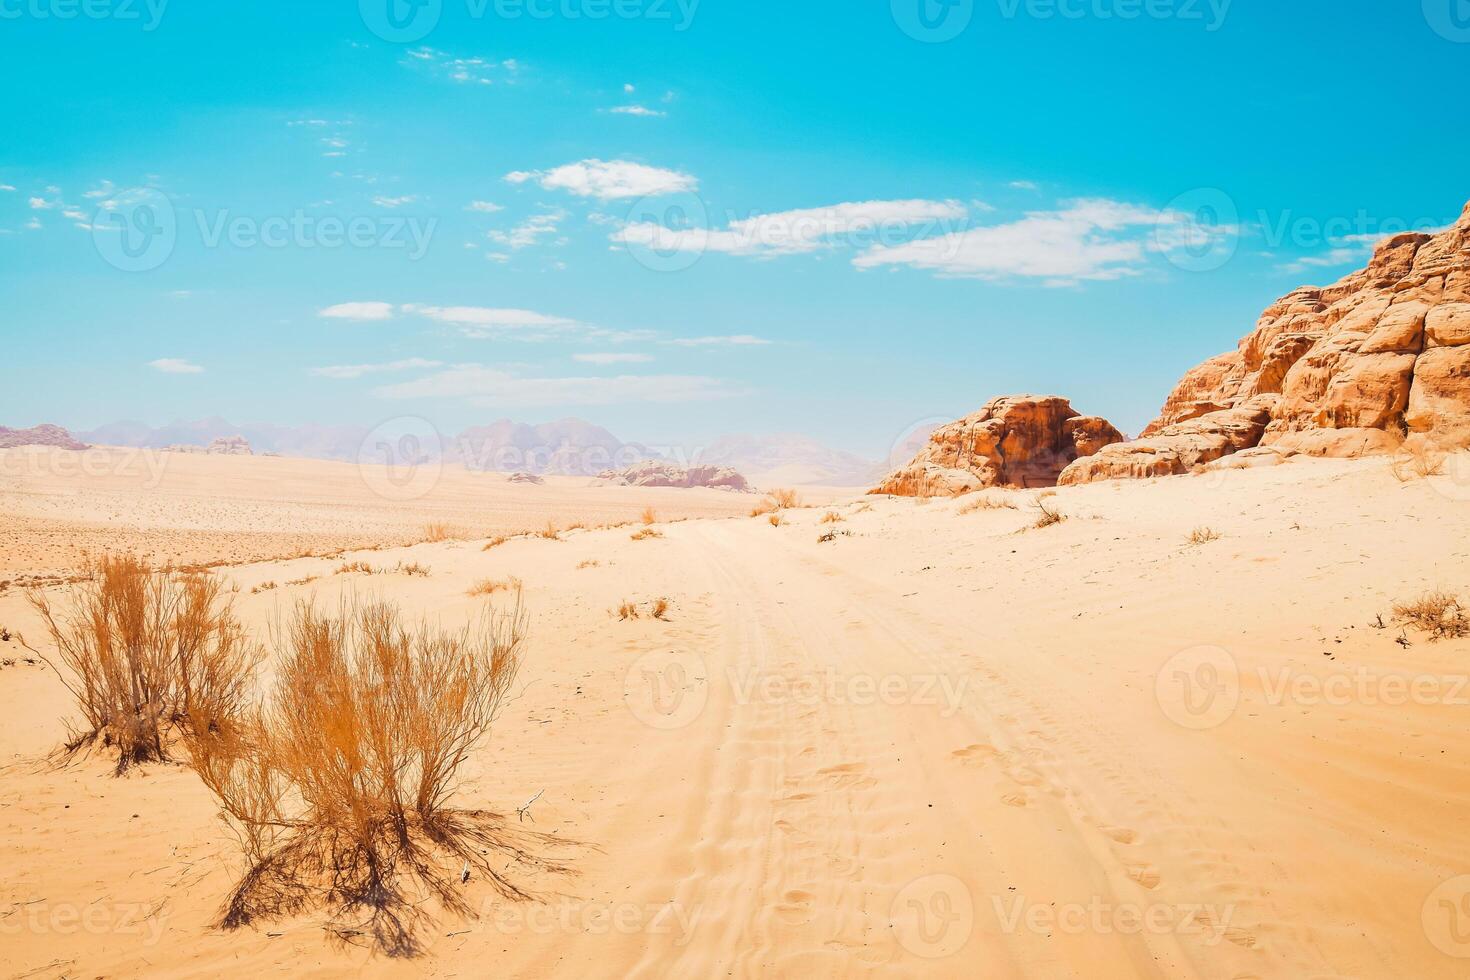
(1203, 535)
(1417, 459)
(339, 784)
(785, 499)
(1048, 516)
(263, 587)
(491, 586)
(150, 654)
(763, 508)
(647, 532)
(1437, 613)
(349, 567)
(303, 580)
(775, 520)
(650, 516)
(984, 501)
(549, 532)
(413, 569)
(832, 517)
(438, 531)
(628, 610)
(661, 609)
(495, 542)
(588, 563)
(832, 536)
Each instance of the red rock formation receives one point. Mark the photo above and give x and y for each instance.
(41, 435)
(1015, 440)
(1346, 370)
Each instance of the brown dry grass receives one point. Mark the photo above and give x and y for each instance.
(1437, 613)
(549, 532)
(650, 516)
(588, 563)
(986, 501)
(488, 586)
(775, 520)
(148, 654)
(1048, 516)
(627, 610)
(647, 532)
(495, 542)
(437, 531)
(832, 517)
(1417, 459)
(661, 609)
(785, 499)
(339, 784)
(358, 567)
(1203, 535)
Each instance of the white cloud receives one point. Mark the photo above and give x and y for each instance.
(1085, 240)
(736, 340)
(34, 224)
(529, 232)
(636, 110)
(1023, 185)
(394, 202)
(483, 207)
(604, 357)
(41, 204)
(491, 387)
(174, 365)
(608, 180)
(628, 88)
(101, 190)
(806, 230)
(464, 71)
(485, 316)
(6, 187)
(349, 371)
(358, 311)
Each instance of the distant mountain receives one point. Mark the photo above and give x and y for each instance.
(567, 447)
(41, 435)
(339, 442)
(797, 460)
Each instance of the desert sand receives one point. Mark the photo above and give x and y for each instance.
(942, 743)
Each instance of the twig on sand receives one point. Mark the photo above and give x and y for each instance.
(524, 809)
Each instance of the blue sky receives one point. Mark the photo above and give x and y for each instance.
(682, 220)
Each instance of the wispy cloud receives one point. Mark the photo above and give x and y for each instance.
(806, 230)
(734, 340)
(349, 371)
(608, 180)
(483, 207)
(175, 365)
(528, 232)
(384, 201)
(636, 110)
(1023, 185)
(494, 388)
(358, 311)
(607, 357)
(463, 71)
(1093, 239)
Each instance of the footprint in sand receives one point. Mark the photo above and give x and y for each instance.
(849, 775)
(1241, 937)
(975, 755)
(1016, 799)
(795, 907)
(1146, 875)
(1121, 834)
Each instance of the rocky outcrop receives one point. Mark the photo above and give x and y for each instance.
(41, 435)
(1015, 441)
(222, 446)
(1351, 369)
(661, 473)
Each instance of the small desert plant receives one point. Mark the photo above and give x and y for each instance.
(588, 563)
(4, 635)
(549, 532)
(983, 501)
(349, 567)
(775, 520)
(785, 499)
(303, 580)
(491, 586)
(832, 517)
(263, 587)
(647, 532)
(151, 654)
(1417, 459)
(1437, 613)
(339, 784)
(627, 610)
(650, 516)
(1048, 515)
(660, 609)
(413, 569)
(831, 536)
(1203, 535)
(495, 542)
(437, 531)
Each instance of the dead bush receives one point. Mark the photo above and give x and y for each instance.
(984, 501)
(1048, 516)
(628, 610)
(339, 784)
(147, 655)
(1417, 459)
(413, 568)
(650, 516)
(491, 586)
(661, 609)
(1203, 535)
(647, 532)
(785, 499)
(832, 517)
(549, 532)
(775, 520)
(1437, 613)
(495, 542)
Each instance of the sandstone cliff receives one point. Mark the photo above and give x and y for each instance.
(1354, 368)
(1015, 440)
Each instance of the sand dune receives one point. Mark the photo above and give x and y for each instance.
(939, 745)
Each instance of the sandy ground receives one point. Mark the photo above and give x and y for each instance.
(940, 745)
(58, 506)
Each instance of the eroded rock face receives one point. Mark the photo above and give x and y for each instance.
(1015, 440)
(40, 435)
(661, 473)
(1352, 369)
